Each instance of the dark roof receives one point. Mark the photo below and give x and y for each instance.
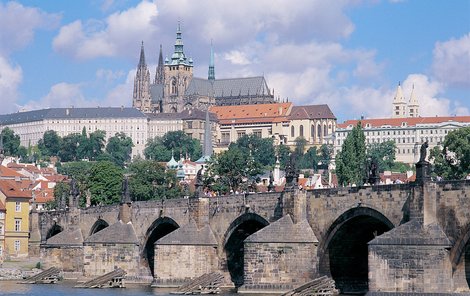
(66, 238)
(413, 233)
(231, 87)
(189, 234)
(118, 233)
(311, 112)
(70, 113)
(183, 115)
(284, 231)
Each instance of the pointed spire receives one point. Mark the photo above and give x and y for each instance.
(142, 56)
(399, 94)
(159, 73)
(211, 75)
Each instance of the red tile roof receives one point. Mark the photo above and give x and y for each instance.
(7, 172)
(277, 112)
(11, 190)
(311, 112)
(410, 121)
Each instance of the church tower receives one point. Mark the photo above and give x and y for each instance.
(178, 73)
(211, 74)
(141, 96)
(159, 74)
(399, 104)
(413, 105)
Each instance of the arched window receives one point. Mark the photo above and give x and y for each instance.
(292, 132)
(174, 87)
(301, 131)
(319, 132)
(312, 131)
(325, 131)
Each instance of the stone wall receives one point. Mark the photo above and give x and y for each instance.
(176, 264)
(278, 266)
(103, 258)
(409, 269)
(67, 259)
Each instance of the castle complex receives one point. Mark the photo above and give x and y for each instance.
(174, 88)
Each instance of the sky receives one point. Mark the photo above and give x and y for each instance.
(349, 54)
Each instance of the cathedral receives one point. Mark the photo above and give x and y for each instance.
(174, 89)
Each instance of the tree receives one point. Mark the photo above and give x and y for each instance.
(351, 161)
(50, 143)
(452, 162)
(383, 153)
(11, 142)
(22, 153)
(161, 148)
(69, 148)
(61, 189)
(148, 180)
(120, 148)
(300, 143)
(91, 146)
(233, 167)
(309, 160)
(105, 183)
(262, 149)
(283, 153)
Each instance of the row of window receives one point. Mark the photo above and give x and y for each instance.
(312, 131)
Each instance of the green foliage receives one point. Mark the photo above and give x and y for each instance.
(232, 168)
(11, 142)
(69, 147)
(384, 153)
(62, 189)
(50, 144)
(91, 147)
(105, 183)
(452, 162)
(160, 148)
(262, 149)
(309, 160)
(150, 181)
(283, 153)
(300, 144)
(22, 153)
(119, 148)
(351, 161)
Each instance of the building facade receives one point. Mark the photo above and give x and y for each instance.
(407, 133)
(403, 108)
(174, 88)
(32, 125)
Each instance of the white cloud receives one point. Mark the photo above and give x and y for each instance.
(61, 95)
(10, 79)
(121, 95)
(108, 76)
(18, 24)
(237, 57)
(451, 63)
(110, 37)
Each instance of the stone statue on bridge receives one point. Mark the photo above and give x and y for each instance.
(126, 197)
(423, 152)
(199, 182)
(74, 194)
(291, 172)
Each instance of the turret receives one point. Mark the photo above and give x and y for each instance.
(413, 104)
(399, 104)
(141, 96)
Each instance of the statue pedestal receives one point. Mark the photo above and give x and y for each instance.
(423, 171)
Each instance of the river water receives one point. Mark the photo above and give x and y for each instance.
(12, 288)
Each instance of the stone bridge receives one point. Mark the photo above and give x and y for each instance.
(385, 238)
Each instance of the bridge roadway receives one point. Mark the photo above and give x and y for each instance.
(343, 221)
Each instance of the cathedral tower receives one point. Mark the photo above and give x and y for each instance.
(141, 96)
(399, 104)
(211, 74)
(178, 73)
(413, 104)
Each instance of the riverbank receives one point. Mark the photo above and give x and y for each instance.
(17, 269)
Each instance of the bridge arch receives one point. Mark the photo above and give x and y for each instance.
(158, 229)
(237, 232)
(343, 252)
(55, 229)
(100, 224)
(460, 253)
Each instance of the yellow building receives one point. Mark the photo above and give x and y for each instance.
(2, 230)
(16, 223)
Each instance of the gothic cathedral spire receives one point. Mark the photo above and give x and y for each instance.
(399, 104)
(159, 74)
(141, 96)
(211, 75)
